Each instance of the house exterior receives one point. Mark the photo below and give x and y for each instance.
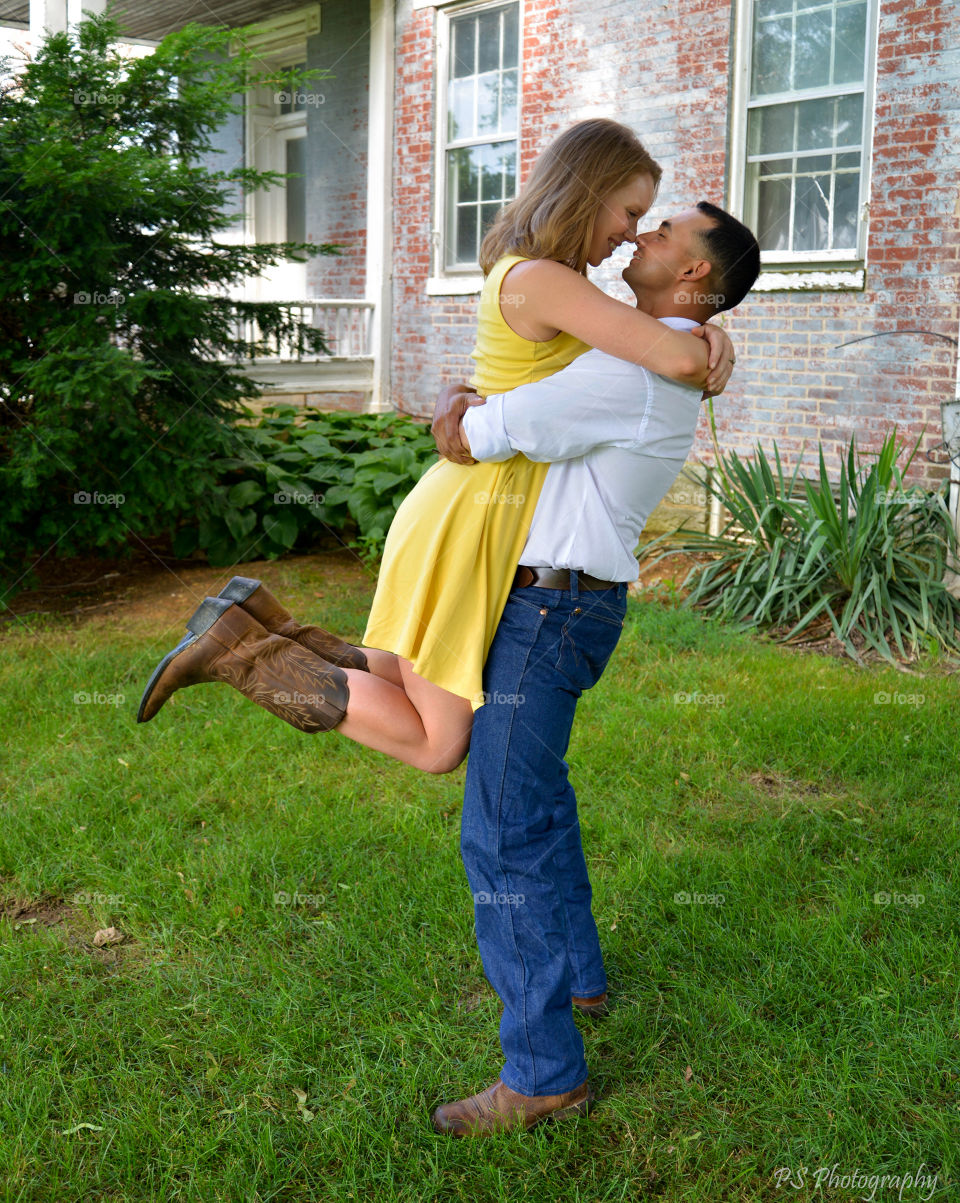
(830, 126)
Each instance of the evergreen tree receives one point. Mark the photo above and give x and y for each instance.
(119, 353)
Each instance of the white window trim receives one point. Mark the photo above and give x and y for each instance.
(806, 270)
(443, 281)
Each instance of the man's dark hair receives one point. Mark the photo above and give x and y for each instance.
(734, 256)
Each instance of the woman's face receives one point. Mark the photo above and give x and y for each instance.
(617, 217)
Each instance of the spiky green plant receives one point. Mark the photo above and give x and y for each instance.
(868, 555)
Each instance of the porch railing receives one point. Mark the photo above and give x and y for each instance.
(347, 327)
(349, 367)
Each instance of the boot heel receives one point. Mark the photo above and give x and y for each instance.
(207, 613)
(239, 588)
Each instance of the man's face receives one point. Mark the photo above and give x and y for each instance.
(665, 256)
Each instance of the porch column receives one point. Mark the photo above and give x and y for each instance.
(47, 16)
(379, 197)
(950, 412)
(52, 16)
(78, 9)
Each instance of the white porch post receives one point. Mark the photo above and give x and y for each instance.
(379, 196)
(52, 16)
(951, 436)
(47, 16)
(78, 9)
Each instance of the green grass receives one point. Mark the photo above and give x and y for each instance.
(796, 1023)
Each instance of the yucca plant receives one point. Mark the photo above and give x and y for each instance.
(865, 558)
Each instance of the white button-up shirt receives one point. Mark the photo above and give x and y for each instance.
(615, 436)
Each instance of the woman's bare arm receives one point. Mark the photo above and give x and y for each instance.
(546, 296)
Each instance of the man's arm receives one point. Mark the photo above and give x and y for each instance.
(595, 401)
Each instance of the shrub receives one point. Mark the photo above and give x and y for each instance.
(119, 352)
(303, 476)
(868, 557)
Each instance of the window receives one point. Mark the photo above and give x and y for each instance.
(804, 103)
(478, 64)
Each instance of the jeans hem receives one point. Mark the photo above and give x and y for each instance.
(527, 1095)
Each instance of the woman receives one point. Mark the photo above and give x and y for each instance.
(453, 548)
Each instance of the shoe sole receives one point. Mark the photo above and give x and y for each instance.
(598, 1012)
(575, 1111)
(240, 588)
(202, 619)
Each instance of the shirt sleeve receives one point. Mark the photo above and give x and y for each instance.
(596, 401)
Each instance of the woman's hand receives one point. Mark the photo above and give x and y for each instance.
(451, 405)
(721, 358)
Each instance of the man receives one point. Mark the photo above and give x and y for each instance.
(615, 437)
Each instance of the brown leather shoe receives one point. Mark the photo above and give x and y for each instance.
(254, 597)
(224, 643)
(500, 1109)
(596, 1007)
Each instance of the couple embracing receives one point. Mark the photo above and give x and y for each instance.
(502, 590)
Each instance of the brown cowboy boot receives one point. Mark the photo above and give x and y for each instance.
(257, 600)
(224, 643)
(500, 1109)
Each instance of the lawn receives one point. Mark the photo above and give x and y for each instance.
(773, 848)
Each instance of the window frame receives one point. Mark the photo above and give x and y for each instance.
(446, 281)
(836, 268)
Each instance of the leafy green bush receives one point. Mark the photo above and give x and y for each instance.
(120, 351)
(300, 477)
(868, 557)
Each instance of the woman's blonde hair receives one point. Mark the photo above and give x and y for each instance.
(553, 217)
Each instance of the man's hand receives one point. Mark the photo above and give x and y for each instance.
(452, 404)
(720, 359)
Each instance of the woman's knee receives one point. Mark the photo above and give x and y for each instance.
(444, 760)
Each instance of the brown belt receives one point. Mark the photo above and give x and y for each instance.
(556, 578)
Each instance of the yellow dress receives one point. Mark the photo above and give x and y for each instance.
(453, 547)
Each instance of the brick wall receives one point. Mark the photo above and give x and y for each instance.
(665, 71)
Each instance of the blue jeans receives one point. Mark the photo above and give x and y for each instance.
(520, 836)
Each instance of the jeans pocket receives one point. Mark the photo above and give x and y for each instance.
(587, 641)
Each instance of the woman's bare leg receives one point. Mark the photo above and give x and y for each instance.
(414, 721)
(384, 664)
